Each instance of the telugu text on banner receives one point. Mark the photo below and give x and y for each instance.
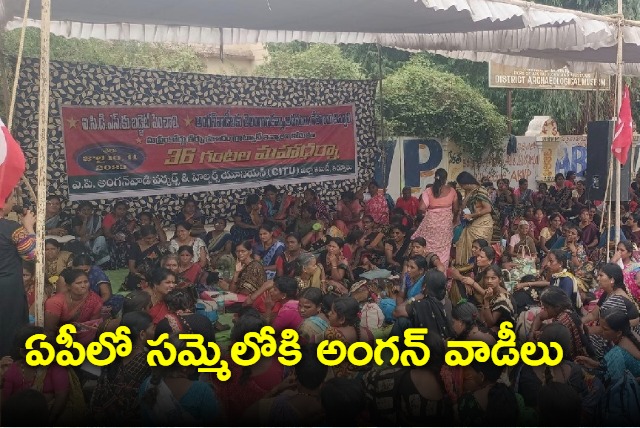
(116, 151)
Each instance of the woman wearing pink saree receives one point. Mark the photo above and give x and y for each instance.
(440, 203)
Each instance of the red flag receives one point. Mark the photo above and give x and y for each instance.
(12, 163)
(623, 136)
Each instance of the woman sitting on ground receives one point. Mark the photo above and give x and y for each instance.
(182, 317)
(308, 273)
(115, 399)
(190, 214)
(78, 305)
(183, 237)
(118, 228)
(147, 219)
(249, 275)
(56, 260)
(268, 249)
(314, 318)
(170, 396)
(87, 227)
(247, 220)
(29, 280)
(418, 247)
(287, 262)
(248, 384)
(498, 306)
(188, 271)
(397, 248)
(137, 300)
(99, 282)
(53, 381)
(624, 355)
(467, 324)
(345, 327)
(161, 282)
(144, 255)
(339, 275)
(349, 212)
(557, 307)
(220, 247)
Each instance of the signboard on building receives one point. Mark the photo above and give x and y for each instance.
(504, 76)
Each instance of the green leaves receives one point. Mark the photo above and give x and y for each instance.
(421, 101)
(100, 52)
(315, 62)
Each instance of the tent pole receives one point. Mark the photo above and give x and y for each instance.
(382, 136)
(618, 104)
(16, 77)
(43, 122)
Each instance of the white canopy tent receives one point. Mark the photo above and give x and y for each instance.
(511, 31)
(518, 32)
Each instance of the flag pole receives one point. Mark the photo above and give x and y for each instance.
(618, 105)
(43, 124)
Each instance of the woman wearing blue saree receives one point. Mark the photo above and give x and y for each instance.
(268, 249)
(411, 288)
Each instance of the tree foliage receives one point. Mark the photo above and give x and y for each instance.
(314, 61)
(421, 101)
(100, 52)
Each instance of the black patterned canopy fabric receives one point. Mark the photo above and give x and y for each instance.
(85, 84)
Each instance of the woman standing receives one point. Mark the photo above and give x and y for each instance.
(440, 202)
(249, 275)
(161, 282)
(118, 227)
(268, 249)
(477, 213)
(17, 243)
(183, 237)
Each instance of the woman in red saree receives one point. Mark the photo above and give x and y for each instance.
(79, 306)
(161, 282)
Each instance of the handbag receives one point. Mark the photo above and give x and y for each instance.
(525, 264)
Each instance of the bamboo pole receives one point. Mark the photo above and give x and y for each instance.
(613, 19)
(43, 124)
(16, 77)
(618, 104)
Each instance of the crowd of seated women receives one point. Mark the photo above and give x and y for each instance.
(342, 276)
